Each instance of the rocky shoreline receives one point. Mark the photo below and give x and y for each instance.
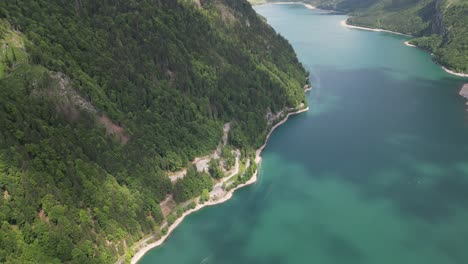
(142, 247)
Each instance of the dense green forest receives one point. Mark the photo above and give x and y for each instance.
(440, 26)
(99, 99)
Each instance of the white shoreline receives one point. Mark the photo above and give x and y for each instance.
(345, 24)
(308, 6)
(410, 45)
(443, 67)
(454, 73)
(142, 251)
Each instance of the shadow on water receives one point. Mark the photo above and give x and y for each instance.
(341, 249)
(414, 129)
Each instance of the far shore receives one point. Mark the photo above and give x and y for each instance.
(443, 67)
(345, 24)
(308, 6)
(258, 159)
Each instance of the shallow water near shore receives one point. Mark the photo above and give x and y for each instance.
(375, 172)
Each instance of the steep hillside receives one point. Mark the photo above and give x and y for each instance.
(99, 100)
(405, 16)
(439, 25)
(448, 38)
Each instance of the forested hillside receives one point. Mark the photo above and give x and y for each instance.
(439, 25)
(100, 99)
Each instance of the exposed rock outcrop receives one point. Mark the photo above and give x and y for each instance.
(464, 91)
(437, 26)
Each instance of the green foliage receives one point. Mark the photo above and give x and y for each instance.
(191, 205)
(228, 156)
(215, 170)
(128, 256)
(157, 214)
(166, 73)
(12, 51)
(164, 230)
(453, 52)
(171, 219)
(406, 16)
(180, 211)
(205, 196)
(429, 43)
(192, 185)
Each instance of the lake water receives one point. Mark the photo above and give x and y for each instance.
(375, 173)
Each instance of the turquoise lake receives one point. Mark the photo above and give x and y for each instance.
(376, 172)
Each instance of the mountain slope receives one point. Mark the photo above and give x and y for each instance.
(100, 99)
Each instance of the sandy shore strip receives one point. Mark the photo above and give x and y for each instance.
(444, 68)
(345, 24)
(410, 45)
(308, 6)
(142, 251)
(455, 73)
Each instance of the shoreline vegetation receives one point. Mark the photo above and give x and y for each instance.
(454, 73)
(308, 6)
(407, 43)
(345, 24)
(142, 247)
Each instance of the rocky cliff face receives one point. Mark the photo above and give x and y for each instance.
(437, 26)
